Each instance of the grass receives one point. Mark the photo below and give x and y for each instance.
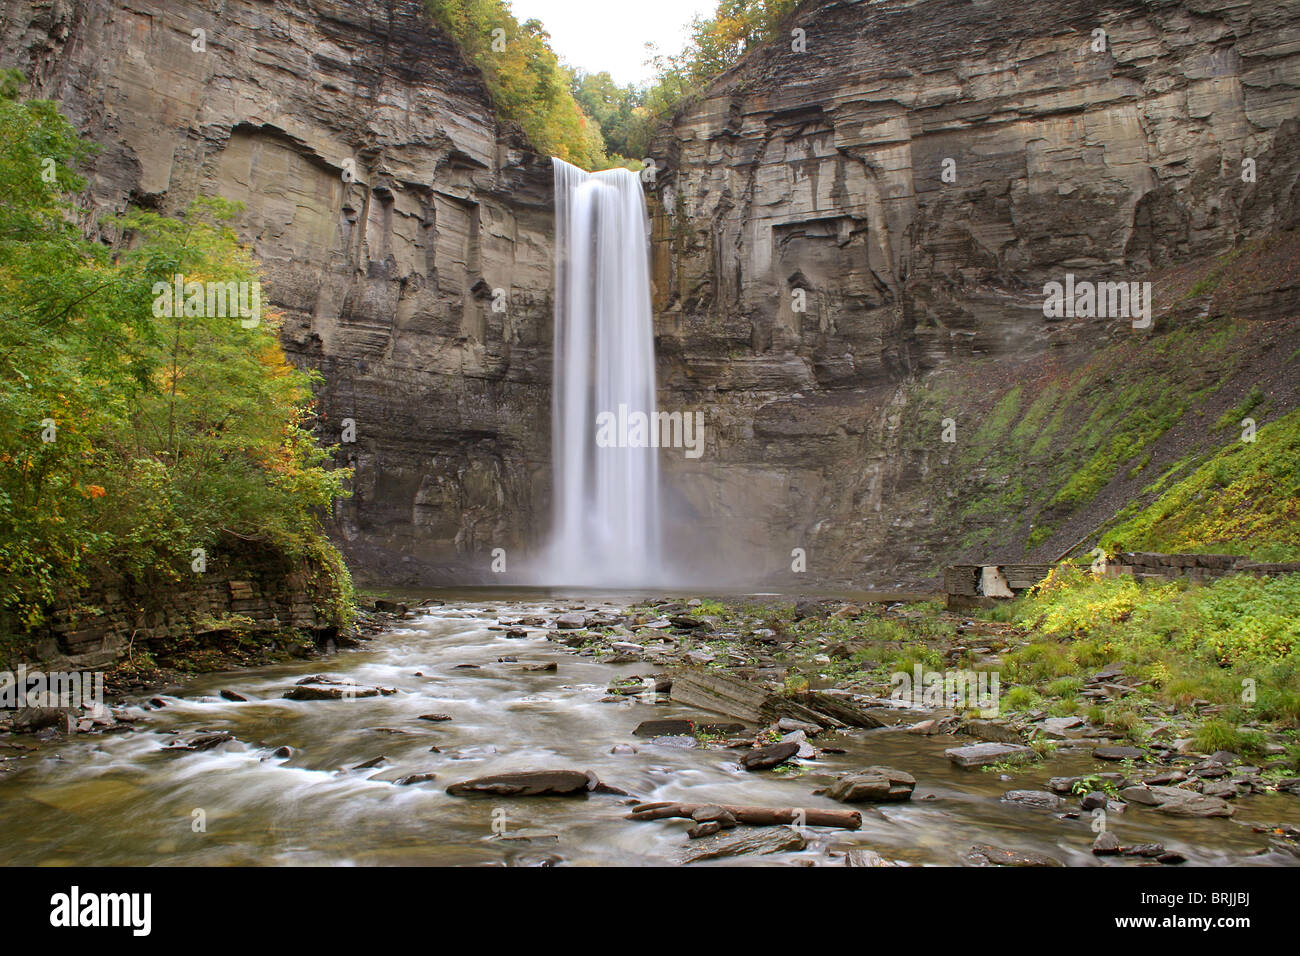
(1244, 500)
(1228, 650)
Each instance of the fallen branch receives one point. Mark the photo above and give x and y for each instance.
(754, 816)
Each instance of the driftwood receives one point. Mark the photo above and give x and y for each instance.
(754, 816)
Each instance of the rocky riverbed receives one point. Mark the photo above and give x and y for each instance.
(532, 732)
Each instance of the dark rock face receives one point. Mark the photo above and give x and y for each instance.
(822, 173)
(404, 236)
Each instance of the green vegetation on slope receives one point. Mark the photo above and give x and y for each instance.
(1047, 447)
(527, 82)
(1233, 645)
(629, 116)
(587, 118)
(1243, 500)
(128, 438)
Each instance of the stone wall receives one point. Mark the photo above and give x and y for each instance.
(1145, 565)
(250, 590)
(385, 276)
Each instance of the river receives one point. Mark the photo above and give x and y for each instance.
(122, 799)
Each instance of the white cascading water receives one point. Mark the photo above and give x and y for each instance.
(607, 509)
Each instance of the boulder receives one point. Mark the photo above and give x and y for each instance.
(873, 785)
(984, 755)
(1035, 799)
(761, 758)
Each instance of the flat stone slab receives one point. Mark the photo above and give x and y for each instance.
(1117, 753)
(745, 841)
(1034, 799)
(985, 854)
(985, 755)
(873, 785)
(1177, 801)
(664, 728)
(761, 758)
(530, 783)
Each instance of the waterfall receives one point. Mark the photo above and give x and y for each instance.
(606, 527)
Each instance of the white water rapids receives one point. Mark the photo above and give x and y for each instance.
(607, 512)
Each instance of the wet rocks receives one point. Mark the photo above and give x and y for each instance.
(572, 621)
(200, 742)
(1034, 799)
(664, 728)
(324, 687)
(1117, 753)
(1106, 844)
(985, 854)
(712, 813)
(994, 731)
(234, 697)
(528, 783)
(763, 758)
(1177, 801)
(987, 754)
(873, 785)
(745, 842)
(413, 778)
(435, 718)
(1094, 800)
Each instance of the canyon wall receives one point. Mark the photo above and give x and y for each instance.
(404, 233)
(911, 173)
(915, 172)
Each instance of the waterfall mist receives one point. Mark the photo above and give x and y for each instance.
(607, 510)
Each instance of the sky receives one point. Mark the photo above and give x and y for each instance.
(596, 35)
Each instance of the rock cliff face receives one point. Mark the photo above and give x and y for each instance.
(916, 174)
(911, 172)
(405, 235)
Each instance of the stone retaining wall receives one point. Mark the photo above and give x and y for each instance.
(1194, 567)
(257, 591)
(967, 584)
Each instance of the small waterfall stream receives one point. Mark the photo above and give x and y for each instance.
(606, 528)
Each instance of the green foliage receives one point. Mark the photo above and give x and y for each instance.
(1245, 499)
(168, 434)
(1218, 734)
(527, 82)
(716, 43)
(620, 113)
(1189, 642)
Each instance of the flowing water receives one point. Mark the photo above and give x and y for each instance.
(607, 509)
(123, 799)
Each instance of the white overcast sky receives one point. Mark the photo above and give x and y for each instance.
(596, 35)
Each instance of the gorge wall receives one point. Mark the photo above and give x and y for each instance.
(817, 171)
(815, 168)
(391, 212)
